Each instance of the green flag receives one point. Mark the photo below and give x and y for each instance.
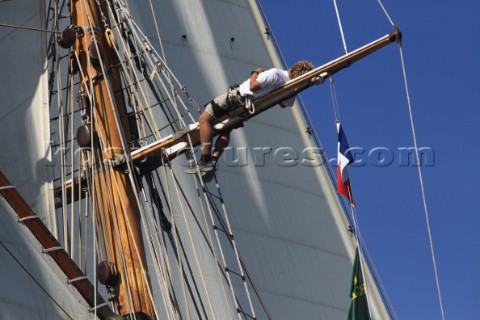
(359, 305)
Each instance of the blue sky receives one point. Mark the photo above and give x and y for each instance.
(441, 47)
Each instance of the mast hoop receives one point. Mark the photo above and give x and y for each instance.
(33, 216)
(98, 306)
(57, 248)
(69, 281)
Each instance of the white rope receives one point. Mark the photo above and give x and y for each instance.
(169, 79)
(154, 16)
(155, 246)
(150, 121)
(63, 147)
(340, 27)
(82, 4)
(226, 231)
(212, 220)
(226, 223)
(129, 57)
(210, 239)
(386, 13)
(70, 106)
(176, 239)
(28, 28)
(167, 269)
(154, 59)
(192, 242)
(422, 187)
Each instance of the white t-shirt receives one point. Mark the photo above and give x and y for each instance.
(269, 80)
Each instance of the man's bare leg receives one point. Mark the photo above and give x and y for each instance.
(221, 144)
(206, 134)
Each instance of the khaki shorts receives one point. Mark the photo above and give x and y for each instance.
(224, 103)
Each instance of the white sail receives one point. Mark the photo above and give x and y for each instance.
(32, 286)
(286, 218)
(288, 225)
(25, 129)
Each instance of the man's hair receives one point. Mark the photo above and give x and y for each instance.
(299, 68)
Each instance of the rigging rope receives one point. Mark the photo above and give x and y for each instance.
(385, 12)
(176, 238)
(226, 225)
(340, 27)
(136, 98)
(63, 136)
(422, 187)
(333, 93)
(210, 239)
(155, 246)
(28, 28)
(172, 88)
(192, 242)
(420, 176)
(70, 105)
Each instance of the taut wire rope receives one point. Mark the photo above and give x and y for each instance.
(212, 246)
(333, 93)
(420, 176)
(176, 237)
(340, 27)
(422, 187)
(5, 25)
(192, 242)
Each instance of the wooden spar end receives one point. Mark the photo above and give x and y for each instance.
(396, 36)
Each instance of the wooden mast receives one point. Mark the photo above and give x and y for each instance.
(116, 207)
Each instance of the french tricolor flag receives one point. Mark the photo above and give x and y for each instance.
(344, 159)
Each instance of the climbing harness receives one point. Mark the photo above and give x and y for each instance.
(249, 104)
